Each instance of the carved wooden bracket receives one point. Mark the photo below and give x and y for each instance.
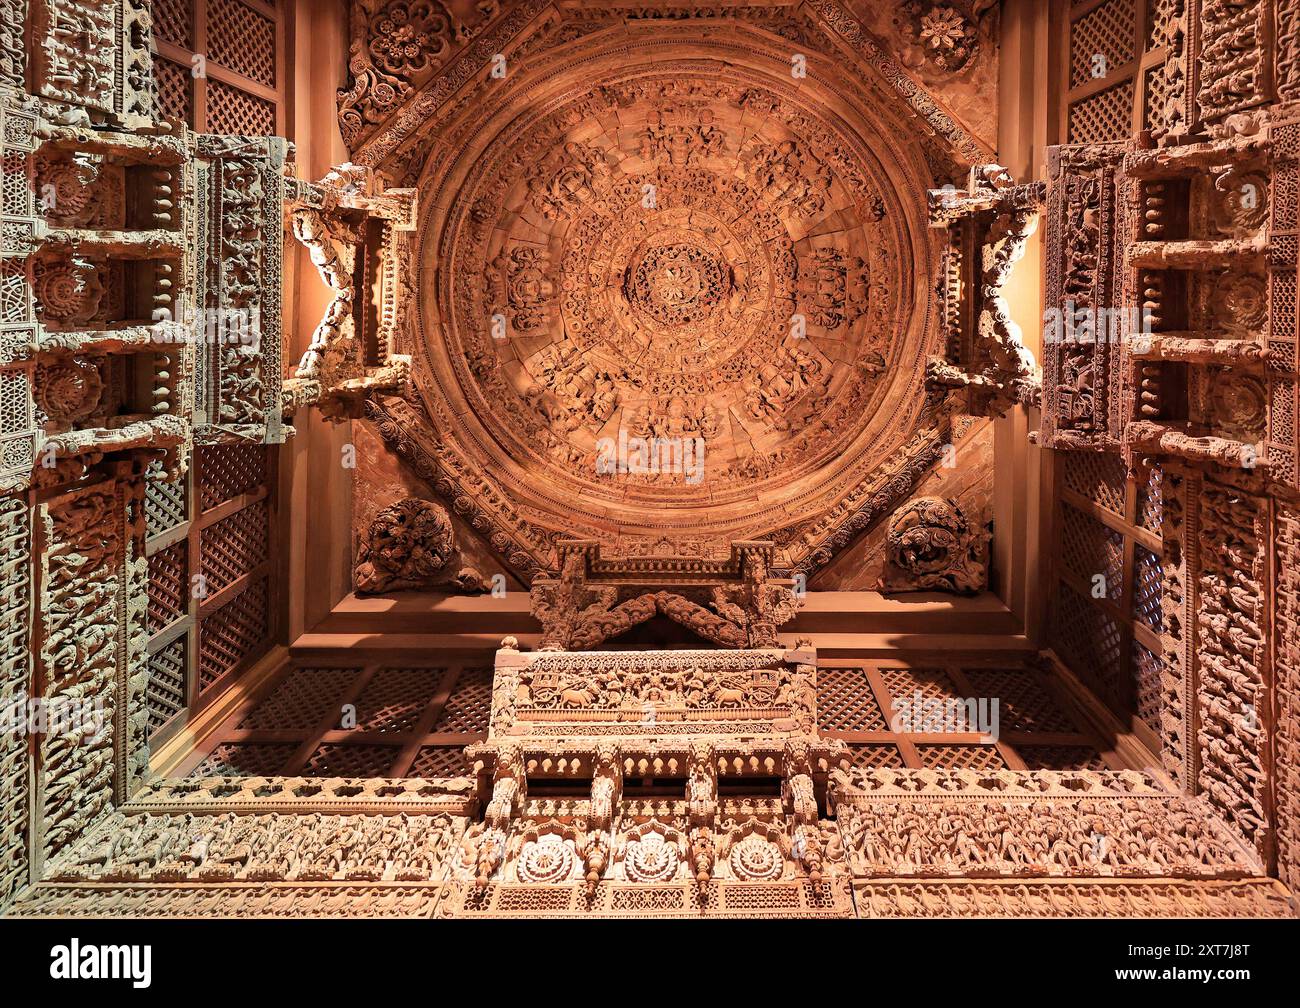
(734, 603)
(356, 233)
(988, 224)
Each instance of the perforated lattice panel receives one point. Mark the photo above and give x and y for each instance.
(235, 632)
(1102, 41)
(1024, 703)
(1096, 476)
(234, 546)
(242, 39)
(351, 761)
(164, 505)
(1155, 96)
(1088, 640)
(165, 694)
(1061, 757)
(173, 21)
(168, 586)
(1090, 549)
(930, 683)
(961, 757)
(231, 110)
(1150, 506)
(226, 471)
(1146, 685)
(439, 761)
(1104, 117)
(394, 699)
(247, 759)
(469, 707)
(845, 701)
(871, 756)
(1147, 589)
(175, 90)
(301, 699)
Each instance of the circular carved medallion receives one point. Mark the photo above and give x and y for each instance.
(755, 859)
(546, 859)
(671, 296)
(650, 859)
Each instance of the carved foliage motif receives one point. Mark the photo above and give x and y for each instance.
(932, 545)
(394, 44)
(81, 583)
(410, 544)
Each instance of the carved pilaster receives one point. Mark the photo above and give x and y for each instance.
(15, 687)
(1082, 348)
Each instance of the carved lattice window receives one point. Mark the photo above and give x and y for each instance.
(378, 720)
(239, 85)
(1107, 608)
(209, 544)
(1112, 85)
(893, 715)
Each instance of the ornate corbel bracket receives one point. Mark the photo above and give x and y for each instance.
(988, 225)
(357, 235)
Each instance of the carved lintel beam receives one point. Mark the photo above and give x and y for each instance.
(1198, 254)
(128, 433)
(134, 148)
(128, 339)
(156, 244)
(1196, 347)
(1158, 439)
(1163, 162)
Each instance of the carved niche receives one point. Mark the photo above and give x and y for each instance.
(932, 546)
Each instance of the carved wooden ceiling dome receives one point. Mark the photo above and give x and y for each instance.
(672, 236)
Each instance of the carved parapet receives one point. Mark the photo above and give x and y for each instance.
(559, 694)
(1018, 824)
